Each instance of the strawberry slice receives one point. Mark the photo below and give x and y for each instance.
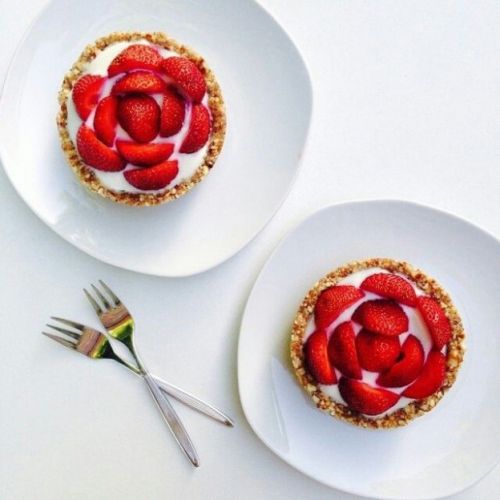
(86, 94)
(187, 76)
(333, 301)
(105, 120)
(436, 320)
(407, 368)
(342, 350)
(376, 352)
(199, 129)
(135, 56)
(139, 82)
(316, 357)
(382, 316)
(152, 178)
(391, 286)
(144, 154)
(139, 115)
(430, 379)
(364, 398)
(173, 110)
(95, 153)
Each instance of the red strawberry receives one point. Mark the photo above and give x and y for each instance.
(139, 115)
(316, 356)
(342, 350)
(430, 379)
(172, 113)
(364, 398)
(186, 75)
(382, 316)
(144, 154)
(152, 178)
(436, 320)
(199, 129)
(407, 367)
(105, 120)
(86, 93)
(376, 352)
(139, 82)
(333, 301)
(135, 56)
(95, 153)
(390, 286)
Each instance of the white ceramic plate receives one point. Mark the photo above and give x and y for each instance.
(268, 99)
(438, 454)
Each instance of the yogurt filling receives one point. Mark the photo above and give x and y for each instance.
(417, 327)
(115, 181)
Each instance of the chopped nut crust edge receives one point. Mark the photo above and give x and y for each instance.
(215, 102)
(401, 417)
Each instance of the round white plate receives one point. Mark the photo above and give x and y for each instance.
(268, 100)
(438, 454)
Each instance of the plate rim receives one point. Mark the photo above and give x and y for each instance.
(280, 244)
(309, 96)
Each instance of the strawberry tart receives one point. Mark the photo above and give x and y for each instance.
(377, 343)
(141, 118)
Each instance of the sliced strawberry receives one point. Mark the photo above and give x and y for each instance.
(105, 120)
(199, 129)
(364, 398)
(139, 82)
(139, 115)
(173, 109)
(144, 154)
(391, 286)
(333, 301)
(152, 178)
(342, 350)
(436, 320)
(187, 76)
(135, 56)
(376, 352)
(430, 379)
(95, 153)
(86, 94)
(382, 316)
(316, 357)
(408, 366)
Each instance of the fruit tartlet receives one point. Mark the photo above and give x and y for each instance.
(377, 343)
(141, 118)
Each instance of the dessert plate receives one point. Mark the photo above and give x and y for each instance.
(436, 455)
(267, 120)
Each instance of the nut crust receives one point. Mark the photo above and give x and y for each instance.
(401, 417)
(215, 102)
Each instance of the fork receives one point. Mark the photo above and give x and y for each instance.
(96, 345)
(120, 325)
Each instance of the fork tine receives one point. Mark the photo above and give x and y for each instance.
(104, 300)
(110, 292)
(68, 322)
(71, 334)
(95, 305)
(64, 342)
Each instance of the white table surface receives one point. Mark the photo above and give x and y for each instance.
(406, 106)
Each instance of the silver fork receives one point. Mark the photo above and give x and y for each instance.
(120, 325)
(100, 348)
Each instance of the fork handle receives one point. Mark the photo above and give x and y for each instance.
(193, 402)
(172, 420)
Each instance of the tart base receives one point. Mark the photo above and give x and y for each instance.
(215, 102)
(401, 417)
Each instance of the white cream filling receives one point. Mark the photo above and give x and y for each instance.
(417, 327)
(188, 163)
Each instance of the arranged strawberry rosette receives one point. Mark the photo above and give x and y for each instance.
(379, 345)
(141, 115)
